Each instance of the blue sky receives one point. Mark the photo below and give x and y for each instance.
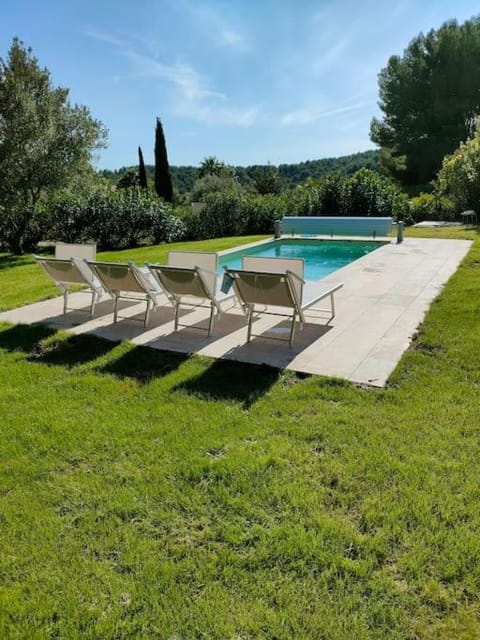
(249, 81)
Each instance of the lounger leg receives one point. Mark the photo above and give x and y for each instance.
(292, 330)
(333, 305)
(92, 305)
(177, 311)
(115, 309)
(250, 320)
(212, 316)
(65, 301)
(147, 313)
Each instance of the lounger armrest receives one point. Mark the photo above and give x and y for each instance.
(150, 285)
(330, 289)
(292, 273)
(87, 272)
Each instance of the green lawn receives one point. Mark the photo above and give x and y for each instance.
(149, 495)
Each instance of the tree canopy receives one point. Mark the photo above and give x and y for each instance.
(430, 98)
(211, 166)
(459, 177)
(44, 141)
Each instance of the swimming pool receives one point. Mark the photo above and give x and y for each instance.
(321, 257)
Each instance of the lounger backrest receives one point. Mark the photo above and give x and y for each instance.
(192, 259)
(181, 281)
(278, 265)
(67, 250)
(271, 289)
(62, 271)
(117, 277)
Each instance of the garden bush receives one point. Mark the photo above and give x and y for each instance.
(21, 228)
(237, 211)
(432, 206)
(365, 193)
(112, 218)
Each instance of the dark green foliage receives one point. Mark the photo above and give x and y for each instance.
(142, 173)
(431, 206)
(267, 180)
(21, 229)
(429, 98)
(128, 180)
(163, 180)
(44, 143)
(114, 219)
(295, 174)
(184, 178)
(233, 212)
(212, 166)
(212, 183)
(366, 193)
(237, 211)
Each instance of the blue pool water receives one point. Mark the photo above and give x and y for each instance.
(321, 257)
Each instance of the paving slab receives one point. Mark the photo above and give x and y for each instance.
(383, 301)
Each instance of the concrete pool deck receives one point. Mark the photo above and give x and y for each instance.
(384, 299)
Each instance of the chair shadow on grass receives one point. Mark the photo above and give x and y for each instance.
(46, 345)
(10, 260)
(225, 380)
(71, 351)
(23, 337)
(143, 364)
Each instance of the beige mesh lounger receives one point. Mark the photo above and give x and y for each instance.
(128, 282)
(189, 278)
(72, 272)
(271, 285)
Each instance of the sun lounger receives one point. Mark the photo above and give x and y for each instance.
(66, 273)
(189, 278)
(273, 285)
(127, 282)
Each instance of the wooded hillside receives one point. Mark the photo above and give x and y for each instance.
(293, 174)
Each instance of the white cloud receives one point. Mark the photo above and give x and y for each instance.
(214, 115)
(307, 115)
(214, 26)
(193, 99)
(325, 61)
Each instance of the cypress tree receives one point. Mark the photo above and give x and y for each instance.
(163, 180)
(142, 173)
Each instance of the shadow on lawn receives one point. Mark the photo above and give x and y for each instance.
(70, 351)
(22, 337)
(244, 383)
(10, 260)
(143, 363)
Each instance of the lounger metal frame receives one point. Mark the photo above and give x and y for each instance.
(177, 300)
(298, 309)
(80, 279)
(149, 295)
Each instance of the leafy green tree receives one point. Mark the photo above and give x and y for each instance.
(459, 177)
(44, 143)
(211, 166)
(129, 179)
(212, 183)
(429, 98)
(163, 180)
(267, 180)
(142, 172)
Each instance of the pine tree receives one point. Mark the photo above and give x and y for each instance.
(163, 180)
(142, 173)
